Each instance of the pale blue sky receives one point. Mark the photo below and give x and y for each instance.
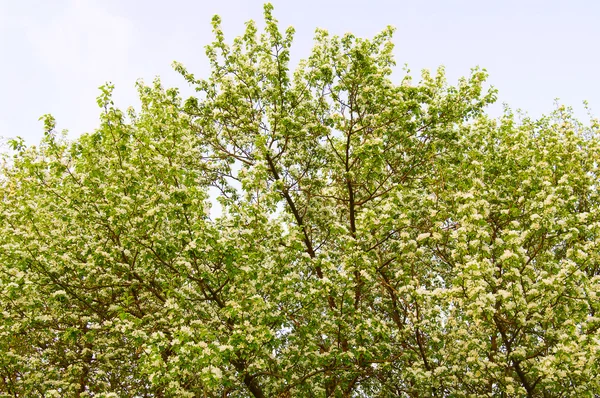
(55, 53)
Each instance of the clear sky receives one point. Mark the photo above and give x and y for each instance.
(55, 53)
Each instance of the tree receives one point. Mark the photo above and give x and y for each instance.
(373, 239)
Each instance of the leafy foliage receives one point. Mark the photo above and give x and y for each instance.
(373, 238)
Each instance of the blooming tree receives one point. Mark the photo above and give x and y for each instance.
(321, 231)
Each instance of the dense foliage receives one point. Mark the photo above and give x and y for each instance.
(307, 233)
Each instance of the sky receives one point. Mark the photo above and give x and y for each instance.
(55, 54)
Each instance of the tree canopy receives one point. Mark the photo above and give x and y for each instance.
(316, 231)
